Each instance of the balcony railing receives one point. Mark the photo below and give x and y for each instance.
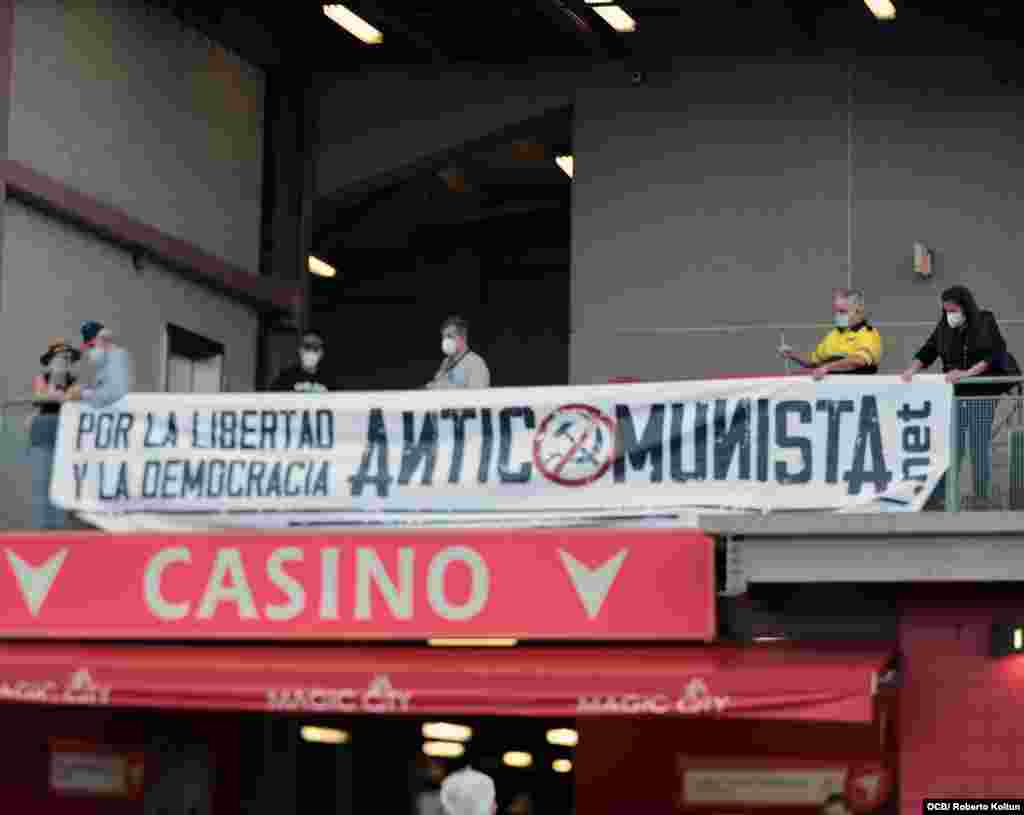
(988, 448)
(988, 451)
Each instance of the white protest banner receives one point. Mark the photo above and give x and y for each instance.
(768, 444)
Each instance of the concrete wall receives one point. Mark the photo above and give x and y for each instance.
(125, 104)
(55, 277)
(710, 209)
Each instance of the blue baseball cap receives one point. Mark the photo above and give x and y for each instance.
(90, 331)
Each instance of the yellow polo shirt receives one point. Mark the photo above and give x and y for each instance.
(840, 343)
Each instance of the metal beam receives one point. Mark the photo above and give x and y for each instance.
(375, 10)
(816, 526)
(572, 19)
(901, 560)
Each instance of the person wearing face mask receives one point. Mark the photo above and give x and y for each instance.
(853, 346)
(49, 390)
(461, 368)
(969, 342)
(307, 376)
(112, 366)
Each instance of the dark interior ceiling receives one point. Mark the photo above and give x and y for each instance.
(513, 31)
(512, 175)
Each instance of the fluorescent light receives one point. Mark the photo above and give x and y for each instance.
(769, 639)
(1018, 639)
(472, 642)
(563, 737)
(443, 749)
(561, 765)
(882, 9)
(617, 18)
(318, 267)
(566, 163)
(443, 731)
(514, 758)
(354, 24)
(324, 735)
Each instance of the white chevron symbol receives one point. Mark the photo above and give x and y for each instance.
(35, 581)
(592, 585)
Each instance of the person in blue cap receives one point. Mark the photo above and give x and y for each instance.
(112, 365)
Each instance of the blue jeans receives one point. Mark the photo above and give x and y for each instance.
(44, 514)
(974, 418)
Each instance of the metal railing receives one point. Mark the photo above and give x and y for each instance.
(986, 471)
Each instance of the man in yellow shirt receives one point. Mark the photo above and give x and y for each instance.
(854, 346)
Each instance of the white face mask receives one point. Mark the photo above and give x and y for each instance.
(310, 359)
(841, 319)
(97, 355)
(955, 318)
(448, 346)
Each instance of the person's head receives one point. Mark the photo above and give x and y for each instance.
(311, 350)
(59, 356)
(434, 772)
(468, 792)
(847, 308)
(97, 339)
(522, 804)
(959, 306)
(836, 804)
(454, 336)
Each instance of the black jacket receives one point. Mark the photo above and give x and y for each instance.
(298, 380)
(965, 346)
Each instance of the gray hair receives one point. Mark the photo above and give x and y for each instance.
(468, 792)
(855, 297)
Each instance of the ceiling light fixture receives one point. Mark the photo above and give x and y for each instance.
(515, 758)
(443, 749)
(566, 163)
(444, 731)
(472, 642)
(354, 24)
(882, 9)
(324, 735)
(563, 737)
(318, 267)
(617, 18)
(561, 765)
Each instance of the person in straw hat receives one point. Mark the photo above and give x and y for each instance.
(49, 389)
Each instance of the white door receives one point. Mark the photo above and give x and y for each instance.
(207, 375)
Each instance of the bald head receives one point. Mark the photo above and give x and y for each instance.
(468, 792)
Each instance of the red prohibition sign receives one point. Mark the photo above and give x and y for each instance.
(578, 437)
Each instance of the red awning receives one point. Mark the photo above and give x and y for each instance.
(729, 681)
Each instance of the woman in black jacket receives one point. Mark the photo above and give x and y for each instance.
(969, 342)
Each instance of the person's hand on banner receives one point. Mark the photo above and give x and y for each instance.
(955, 376)
(820, 373)
(907, 375)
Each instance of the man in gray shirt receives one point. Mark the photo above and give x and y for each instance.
(112, 364)
(462, 368)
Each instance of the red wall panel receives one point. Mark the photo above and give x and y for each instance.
(961, 712)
